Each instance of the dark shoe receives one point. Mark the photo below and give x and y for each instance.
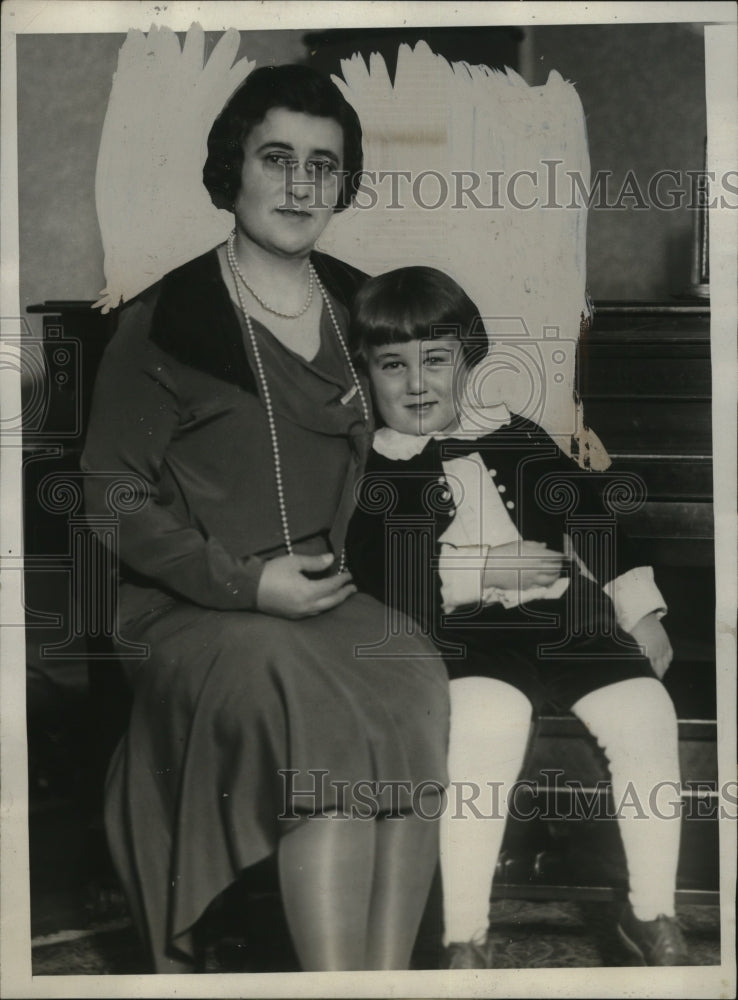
(470, 955)
(654, 942)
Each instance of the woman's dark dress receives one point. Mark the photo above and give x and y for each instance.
(228, 697)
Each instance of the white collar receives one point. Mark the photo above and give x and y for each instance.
(399, 446)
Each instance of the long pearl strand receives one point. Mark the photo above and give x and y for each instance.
(263, 302)
(279, 482)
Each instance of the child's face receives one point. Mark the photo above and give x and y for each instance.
(414, 384)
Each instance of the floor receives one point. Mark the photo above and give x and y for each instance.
(80, 924)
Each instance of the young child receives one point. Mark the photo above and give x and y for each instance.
(461, 521)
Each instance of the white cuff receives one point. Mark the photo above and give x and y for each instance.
(462, 575)
(635, 595)
(461, 569)
(512, 598)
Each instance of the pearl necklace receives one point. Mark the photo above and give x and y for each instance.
(230, 253)
(263, 302)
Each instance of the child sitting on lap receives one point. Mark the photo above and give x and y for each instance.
(481, 503)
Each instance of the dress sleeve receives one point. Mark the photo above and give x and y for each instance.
(134, 415)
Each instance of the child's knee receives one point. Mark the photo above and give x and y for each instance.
(490, 706)
(648, 701)
(637, 709)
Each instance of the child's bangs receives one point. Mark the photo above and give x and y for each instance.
(415, 303)
(403, 321)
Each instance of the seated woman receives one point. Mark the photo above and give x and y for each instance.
(520, 625)
(229, 396)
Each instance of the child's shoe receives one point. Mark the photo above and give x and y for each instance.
(474, 954)
(655, 942)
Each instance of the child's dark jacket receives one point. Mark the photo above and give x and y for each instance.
(407, 506)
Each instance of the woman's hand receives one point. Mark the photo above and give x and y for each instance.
(286, 592)
(651, 635)
(522, 565)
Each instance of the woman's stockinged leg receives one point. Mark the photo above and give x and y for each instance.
(405, 860)
(635, 724)
(354, 890)
(326, 870)
(490, 727)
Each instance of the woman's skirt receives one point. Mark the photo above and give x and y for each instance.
(242, 724)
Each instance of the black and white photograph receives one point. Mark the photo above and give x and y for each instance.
(368, 542)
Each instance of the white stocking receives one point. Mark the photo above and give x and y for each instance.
(490, 723)
(635, 724)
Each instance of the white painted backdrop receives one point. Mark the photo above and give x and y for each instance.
(525, 267)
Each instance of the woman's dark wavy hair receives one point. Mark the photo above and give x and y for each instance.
(296, 88)
(416, 303)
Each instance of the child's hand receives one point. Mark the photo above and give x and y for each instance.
(651, 635)
(522, 565)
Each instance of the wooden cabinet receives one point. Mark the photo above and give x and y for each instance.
(644, 375)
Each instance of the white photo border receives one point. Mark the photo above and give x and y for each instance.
(118, 16)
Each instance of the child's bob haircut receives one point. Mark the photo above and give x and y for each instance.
(416, 303)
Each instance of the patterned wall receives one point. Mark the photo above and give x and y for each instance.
(642, 88)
